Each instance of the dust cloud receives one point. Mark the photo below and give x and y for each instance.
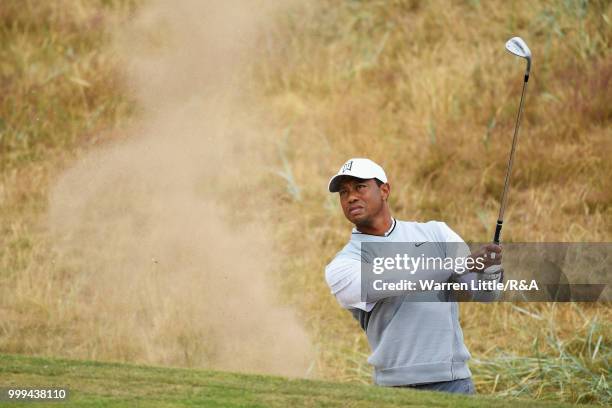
(158, 271)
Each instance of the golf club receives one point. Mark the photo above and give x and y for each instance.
(518, 47)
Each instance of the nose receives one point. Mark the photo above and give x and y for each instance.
(352, 197)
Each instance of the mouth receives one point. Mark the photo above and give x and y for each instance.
(355, 210)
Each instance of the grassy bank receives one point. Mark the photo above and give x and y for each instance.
(106, 384)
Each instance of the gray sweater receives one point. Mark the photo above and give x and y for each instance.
(412, 342)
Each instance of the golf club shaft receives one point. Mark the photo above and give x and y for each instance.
(500, 218)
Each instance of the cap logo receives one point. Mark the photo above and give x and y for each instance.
(347, 166)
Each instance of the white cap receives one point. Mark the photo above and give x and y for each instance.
(360, 168)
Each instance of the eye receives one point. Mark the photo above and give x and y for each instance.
(361, 186)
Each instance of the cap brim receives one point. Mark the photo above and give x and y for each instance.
(334, 183)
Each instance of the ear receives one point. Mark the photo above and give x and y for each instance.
(385, 191)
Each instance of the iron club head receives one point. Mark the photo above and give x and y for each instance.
(518, 47)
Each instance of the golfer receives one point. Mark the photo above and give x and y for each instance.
(414, 344)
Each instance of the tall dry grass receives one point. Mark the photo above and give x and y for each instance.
(427, 90)
(60, 86)
(424, 88)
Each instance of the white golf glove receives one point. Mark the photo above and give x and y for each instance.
(493, 272)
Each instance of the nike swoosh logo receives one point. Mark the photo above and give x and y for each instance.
(418, 244)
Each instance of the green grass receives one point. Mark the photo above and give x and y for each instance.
(108, 384)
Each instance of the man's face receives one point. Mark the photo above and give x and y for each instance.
(362, 200)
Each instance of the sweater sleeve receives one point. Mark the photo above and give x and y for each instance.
(343, 277)
(460, 249)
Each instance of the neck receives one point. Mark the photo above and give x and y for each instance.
(378, 226)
